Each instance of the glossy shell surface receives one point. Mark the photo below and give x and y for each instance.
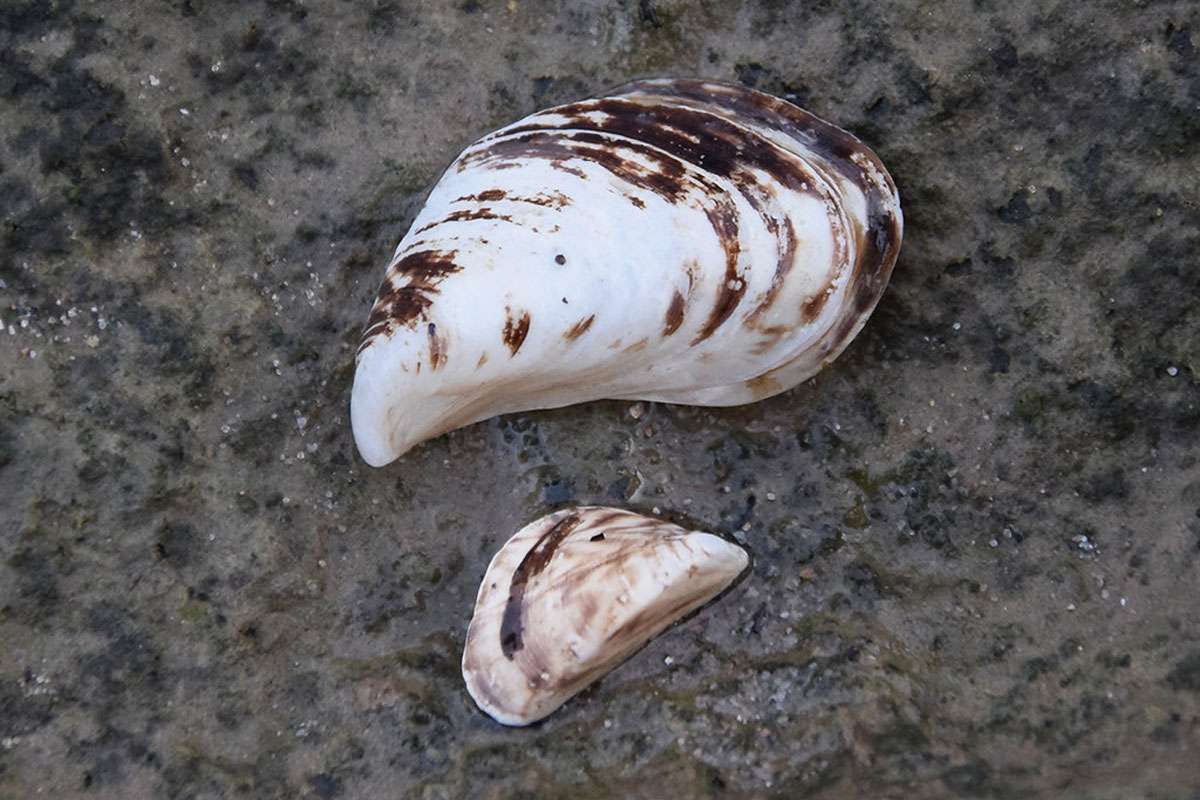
(675, 240)
(572, 595)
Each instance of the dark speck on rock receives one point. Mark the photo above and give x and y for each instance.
(557, 492)
(1185, 675)
(177, 544)
(648, 14)
(863, 582)
(1016, 210)
(246, 175)
(750, 74)
(325, 785)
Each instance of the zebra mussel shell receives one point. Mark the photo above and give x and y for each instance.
(675, 240)
(572, 595)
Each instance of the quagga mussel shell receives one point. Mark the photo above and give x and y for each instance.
(572, 595)
(680, 241)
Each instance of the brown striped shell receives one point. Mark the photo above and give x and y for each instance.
(572, 595)
(675, 240)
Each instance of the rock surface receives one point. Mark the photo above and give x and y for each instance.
(976, 537)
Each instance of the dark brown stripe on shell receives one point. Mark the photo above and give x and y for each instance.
(599, 519)
(558, 164)
(674, 314)
(554, 200)
(813, 305)
(512, 623)
(785, 237)
(407, 291)
(667, 178)
(771, 336)
(466, 214)
(724, 221)
(579, 328)
(489, 196)
(516, 330)
(877, 248)
(545, 199)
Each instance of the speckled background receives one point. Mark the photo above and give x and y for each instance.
(976, 537)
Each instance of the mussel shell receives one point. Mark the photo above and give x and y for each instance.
(573, 594)
(675, 240)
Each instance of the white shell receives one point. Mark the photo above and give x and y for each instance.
(679, 241)
(575, 593)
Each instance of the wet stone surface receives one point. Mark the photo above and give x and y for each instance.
(976, 538)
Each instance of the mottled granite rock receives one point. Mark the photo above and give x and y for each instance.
(976, 538)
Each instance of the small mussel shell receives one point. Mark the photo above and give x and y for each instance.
(575, 593)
